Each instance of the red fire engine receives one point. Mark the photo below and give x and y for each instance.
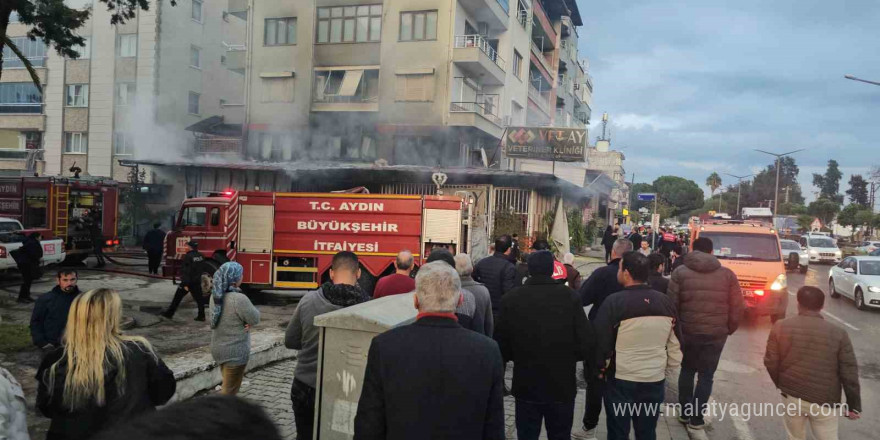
(62, 208)
(287, 240)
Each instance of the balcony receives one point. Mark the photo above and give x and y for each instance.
(582, 117)
(224, 146)
(493, 12)
(346, 90)
(477, 57)
(541, 99)
(28, 161)
(238, 8)
(236, 57)
(481, 114)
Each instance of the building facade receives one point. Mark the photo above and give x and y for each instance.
(133, 89)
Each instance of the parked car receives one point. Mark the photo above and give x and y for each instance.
(857, 278)
(821, 248)
(796, 258)
(868, 246)
(11, 237)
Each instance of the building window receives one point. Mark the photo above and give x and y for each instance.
(350, 24)
(418, 26)
(126, 45)
(360, 86)
(20, 98)
(77, 95)
(222, 60)
(417, 150)
(280, 31)
(125, 93)
(277, 89)
(517, 64)
(197, 10)
(122, 144)
(85, 50)
(77, 143)
(193, 103)
(226, 16)
(33, 140)
(195, 57)
(34, 51)
(415, 88)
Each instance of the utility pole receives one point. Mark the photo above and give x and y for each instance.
(861, 80)
(739, 192)
(778, 168)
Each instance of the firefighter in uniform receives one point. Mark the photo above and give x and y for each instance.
(190, 282)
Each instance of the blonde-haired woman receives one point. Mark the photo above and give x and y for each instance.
(99, 376)
(232, 315)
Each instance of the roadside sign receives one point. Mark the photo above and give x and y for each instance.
(655, 221)
(816, 225)
(647, 197)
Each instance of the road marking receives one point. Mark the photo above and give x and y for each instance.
(742, 428)
(840, 320)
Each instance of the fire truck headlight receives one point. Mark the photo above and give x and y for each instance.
(780, 283)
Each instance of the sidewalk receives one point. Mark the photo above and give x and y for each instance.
(270, 388)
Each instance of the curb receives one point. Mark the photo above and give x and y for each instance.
(195, 370)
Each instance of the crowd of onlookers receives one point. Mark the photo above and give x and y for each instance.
(443, 375)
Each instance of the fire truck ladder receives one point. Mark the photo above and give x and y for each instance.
(62, 202)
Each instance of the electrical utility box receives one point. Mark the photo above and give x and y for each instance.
(344, 341)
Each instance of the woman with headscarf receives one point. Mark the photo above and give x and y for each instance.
(99, 377)
(608, 241)
(232, 315)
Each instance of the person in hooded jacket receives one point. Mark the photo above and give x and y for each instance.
(27, 258)
(99, 377)
(341, 291)
(710, 305)
(232, 315)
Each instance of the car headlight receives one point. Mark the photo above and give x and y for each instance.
(874, 289)
(781, 282)
(814, 253)
(838, 254)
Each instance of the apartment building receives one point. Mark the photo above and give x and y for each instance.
(133, 90)
(399, 82)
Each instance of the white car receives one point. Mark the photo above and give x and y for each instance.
(821, 248)
(796, 258)
(857, 278)
(869, 246)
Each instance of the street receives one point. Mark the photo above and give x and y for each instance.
(741, 377)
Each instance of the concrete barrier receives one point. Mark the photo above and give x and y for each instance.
(196, 371)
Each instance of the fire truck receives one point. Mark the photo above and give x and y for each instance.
(287, 240)
(63, 208)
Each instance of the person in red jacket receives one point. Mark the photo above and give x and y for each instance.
(400, 281)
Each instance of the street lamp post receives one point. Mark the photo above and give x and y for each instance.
(739, 192)
(778, 167)
(861, 80)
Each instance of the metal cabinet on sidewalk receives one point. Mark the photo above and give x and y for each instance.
(344, 342)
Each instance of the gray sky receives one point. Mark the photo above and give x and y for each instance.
(692, 86)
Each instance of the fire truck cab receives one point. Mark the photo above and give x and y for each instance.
(287, 240)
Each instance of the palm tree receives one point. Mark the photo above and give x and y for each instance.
(6, 41)
(714, 182)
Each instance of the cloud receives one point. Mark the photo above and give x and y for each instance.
(693, 87)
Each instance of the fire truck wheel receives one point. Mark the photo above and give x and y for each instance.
(367, 281)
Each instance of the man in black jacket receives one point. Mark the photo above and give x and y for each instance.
(27, 258)
(49, 317)
(154, 242)
(497, 273)
(190, 282)
(601, 284)
(546, 352)
(432, 379)
(638, 339)
(656, 279)
(710, 305)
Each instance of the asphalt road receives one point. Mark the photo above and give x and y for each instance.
(741, 377)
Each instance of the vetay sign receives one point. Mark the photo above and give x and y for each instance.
(546, 143)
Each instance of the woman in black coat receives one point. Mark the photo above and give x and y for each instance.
(27, 258)
(99, 377)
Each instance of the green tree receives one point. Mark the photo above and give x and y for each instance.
(829, 183)
(865, 217)
(824, 209)
(792, 209)
(56, 24)
(858, 190)
(641, 188)
(679, 194)
(805, 221)
(763, 187)
(847, 216)
(713, 182)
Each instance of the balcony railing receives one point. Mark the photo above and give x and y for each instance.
(34, 108)
(218, 145)
(523, 19)
(484, 105)
(582, 117)
(541, 98)
(16, 63)
(482, 43)
(345, 99)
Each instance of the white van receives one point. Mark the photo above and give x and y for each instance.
(821, 248)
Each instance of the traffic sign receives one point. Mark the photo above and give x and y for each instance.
(647, 197)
